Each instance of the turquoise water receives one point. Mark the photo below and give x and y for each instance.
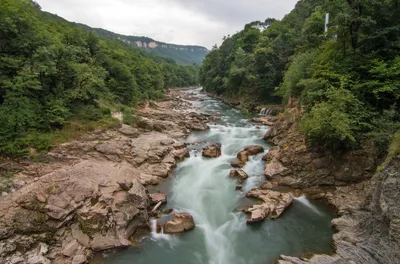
(202, 187)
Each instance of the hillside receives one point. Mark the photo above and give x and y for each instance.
(345, 78)
(181, 54)
(58, 80)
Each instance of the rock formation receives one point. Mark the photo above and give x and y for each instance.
(180, 223)
(91, 194)
(272, 206)
(368, 230)
(369, 214)
(243, 155)
(239, 174)
(212, 151)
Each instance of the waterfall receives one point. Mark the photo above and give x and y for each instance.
(268, 111)
(303, 200)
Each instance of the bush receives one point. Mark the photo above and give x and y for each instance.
(128, 116)
(329, 123)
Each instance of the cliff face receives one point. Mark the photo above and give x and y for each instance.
(368, 229)
(368, 233)
(292, 162)
(181, 54)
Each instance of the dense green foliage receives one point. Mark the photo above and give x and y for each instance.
(53, 74)
(181, 54)
(347, 80)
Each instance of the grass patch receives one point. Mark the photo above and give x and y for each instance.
(394, 150)
(128, 116)
(44, 142)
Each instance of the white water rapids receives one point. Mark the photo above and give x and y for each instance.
(203, 188)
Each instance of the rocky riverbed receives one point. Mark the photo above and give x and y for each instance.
(368, 228)
(91, 194)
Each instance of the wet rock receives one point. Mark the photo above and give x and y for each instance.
(199, 127)
(239, 188)
(212, 151)
(273, 204)
(158, 197)
(239, 174)
(181, 222)
(243, 156)
(180, 154)
(254, 150)
(266, 120)
(238, 164)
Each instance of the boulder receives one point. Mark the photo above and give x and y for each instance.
(254, 150)
(158, 197)
(212, 151)
(243, 156)
(239, 174)
(273, 204)
(238, 164)
(181, 222)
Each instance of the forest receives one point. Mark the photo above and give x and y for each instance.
(346, 77)
(58, 80)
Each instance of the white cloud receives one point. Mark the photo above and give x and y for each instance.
(197, 22)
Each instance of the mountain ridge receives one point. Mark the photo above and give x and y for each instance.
(181, 54)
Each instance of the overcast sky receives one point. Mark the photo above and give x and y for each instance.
(196, 22)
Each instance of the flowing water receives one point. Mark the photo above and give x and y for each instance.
(202, 187)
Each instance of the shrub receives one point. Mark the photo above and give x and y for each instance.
(128, 116)
(329, 123)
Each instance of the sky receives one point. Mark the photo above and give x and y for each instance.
(186, 22)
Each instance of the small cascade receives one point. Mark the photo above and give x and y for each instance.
(303, 200)
(158, 236)
(269, 111)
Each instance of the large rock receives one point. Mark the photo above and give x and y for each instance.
(254, 150)
(238, 164)
(212, 151)
(243, 156)
(239, 174)
(273, 204)
(180, 223)
(87, 192)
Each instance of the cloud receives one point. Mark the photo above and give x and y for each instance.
(201, 22)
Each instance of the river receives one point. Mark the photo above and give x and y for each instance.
(202, 187)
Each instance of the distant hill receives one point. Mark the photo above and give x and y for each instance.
(181, 54)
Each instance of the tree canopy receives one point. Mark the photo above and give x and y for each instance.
(52, 72)
(346, 79)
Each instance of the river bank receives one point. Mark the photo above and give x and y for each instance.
(90, 194)
(215, 194)
(367, 229)
(99, 193)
